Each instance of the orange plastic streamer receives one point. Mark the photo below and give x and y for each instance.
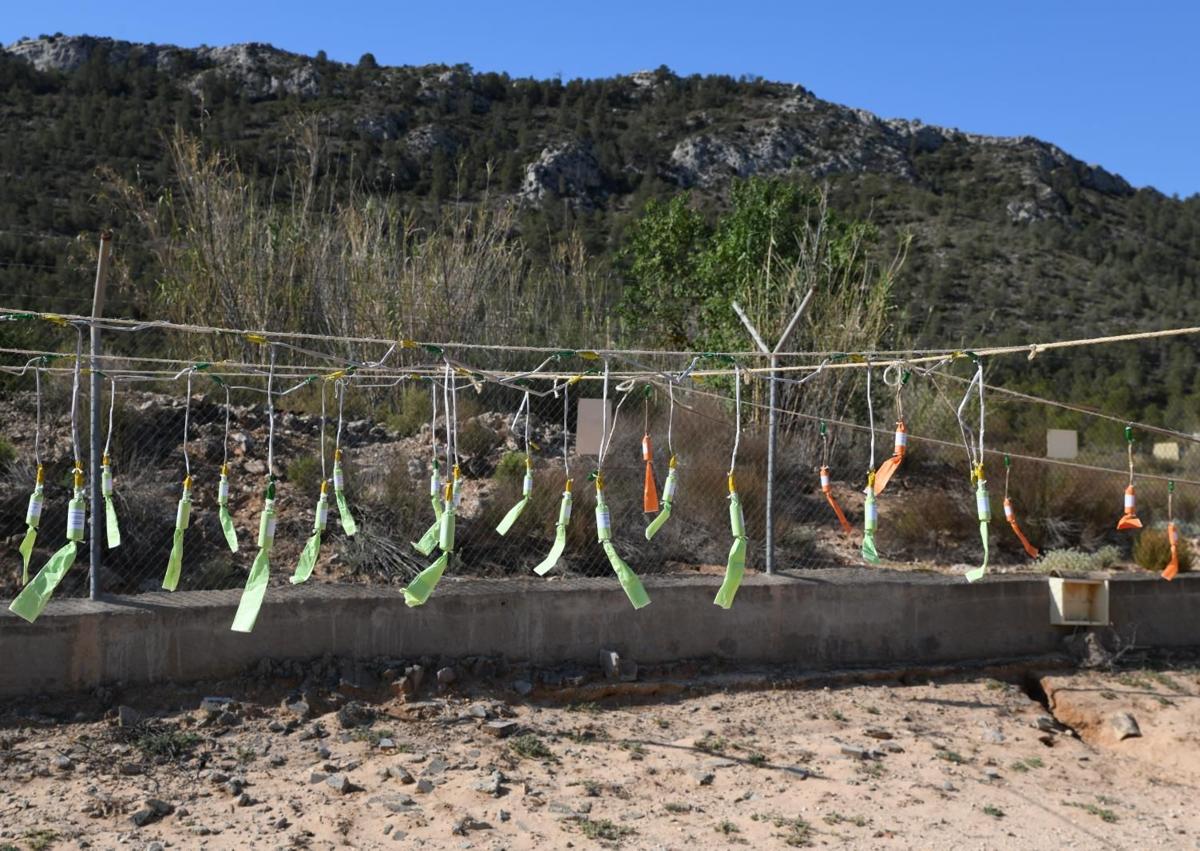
(827, 489)
(650, 489)
(888, 468)
(1172, 568)
(1011, 516)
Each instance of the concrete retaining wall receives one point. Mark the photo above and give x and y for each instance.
(813, 619)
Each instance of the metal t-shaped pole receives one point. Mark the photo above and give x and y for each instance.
(772, 411)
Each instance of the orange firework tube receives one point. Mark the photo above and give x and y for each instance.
(1129, 520)
(827, 489)
(888, 468)
(650, 490)
(1172, 568)
(1011, 516)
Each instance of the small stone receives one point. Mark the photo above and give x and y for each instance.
(478, 710)
(1125, 726)
(446, 676)
(1047, 724)
(216, 704)
(244, 800)
(387, 744)
(992, 736)
(891, 747)
(522, 687)
(324, 752)
(154, 846)
(298, 708)
(947, 786)
(341, 784)
(399, 772)
(855, 752)
(437, 765)
(317, 777)
(129, 769)
(278, 760)
(281, 823)
(501, 729)
(354, 714)
(63, 763)
(505, 815)
(492, 784)
(877, 733)
(415, 674)
(127, 716)
(702, 777)
(424, 786)
(991, 774)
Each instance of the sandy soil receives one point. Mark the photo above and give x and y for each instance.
(972, 763)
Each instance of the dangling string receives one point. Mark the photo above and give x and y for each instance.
(33, 514)
(32, 600)
(894, 376)
(312, 547)
(1172, 568)
(1010, 514)
(112, 526)
(564, 509)
(224, 517)
(1129, 519)
(671, 483)
(827, 482)
(870, 508)
(260, 571)
(349, 526)
(628, 579)
(37, 422)
(527, 482)
(183, 510)
(975, 455)
(112, 404)
(735, 566)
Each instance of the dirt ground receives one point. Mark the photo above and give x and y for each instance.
(961, 763)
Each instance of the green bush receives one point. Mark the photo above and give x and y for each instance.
(510, 468)
(305, 473)
(1076, 561)
(1152, 551)
(476, 439)
(7, 453)
(412, 411)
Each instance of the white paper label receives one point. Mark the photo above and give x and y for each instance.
(322, 514)
(34, 514)
(183, 513)
(1009, 514)
(668, 494)
(106, 483)
(527, 485)
(223, 491)
(824, 481)
(901, 439)
(1129, 502)
(603, 520)
(75, 520)
(339, 479)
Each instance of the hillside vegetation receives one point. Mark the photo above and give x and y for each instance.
(1011, 239)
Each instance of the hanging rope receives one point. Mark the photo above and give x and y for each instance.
(735, 565)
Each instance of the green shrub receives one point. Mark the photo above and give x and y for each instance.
(510, 468)
(477, 439)
(7, 453)
(305, 473)
(1152, 551)
(412, 411)
(1076, 561)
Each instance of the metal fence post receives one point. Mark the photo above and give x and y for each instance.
(97, 500)
(772, 415)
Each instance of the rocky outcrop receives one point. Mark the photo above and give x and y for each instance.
(567, 170)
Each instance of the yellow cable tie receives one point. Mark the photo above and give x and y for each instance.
(41, 475)
(187, 483)
(337, 455)
(409, 344)
(104, 461)
(588, 355)
(257, 338)
(224, 469)
(599, 481)
(871, 479)
(732, 486)
(334, 376)
(56, 319)
(568, 487)
(671, 463)
(324, 486)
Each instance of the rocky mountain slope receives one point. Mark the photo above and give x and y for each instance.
(1013, 237)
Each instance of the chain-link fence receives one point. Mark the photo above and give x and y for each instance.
(927, 515)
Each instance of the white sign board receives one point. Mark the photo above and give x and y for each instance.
(1062, 443)
(589, 425)
(1168, 451)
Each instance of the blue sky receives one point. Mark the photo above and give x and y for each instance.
(1116, 84)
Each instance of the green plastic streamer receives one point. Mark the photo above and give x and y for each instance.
(111, 527)
(32, 600)
(735, 568)
(183, 514)
(870, 521)
(983, 507)
(33, 518)
(260, 571)
(560, 534)
(422, 586)
(223, 515)
(339, 493)
(308, 557)
(526, 490)
(629, 580)
(668, 497)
